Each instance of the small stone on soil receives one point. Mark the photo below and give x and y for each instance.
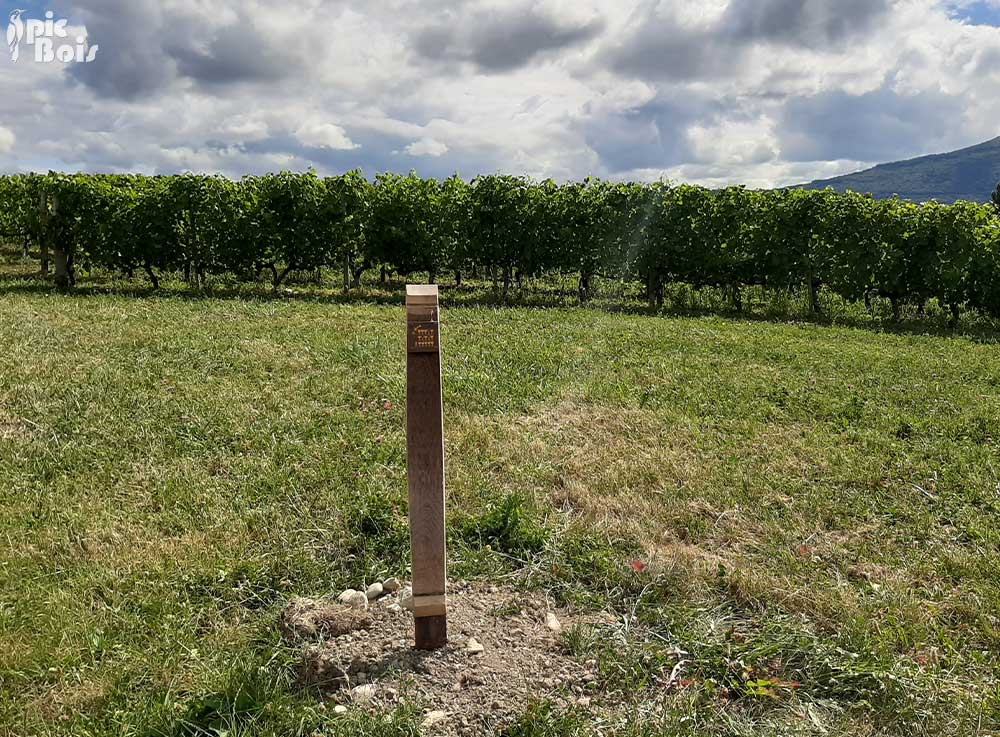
(391, 585)
(363, 694)
(375, 591)
(354, 599)
(553, 623)
(432, 718)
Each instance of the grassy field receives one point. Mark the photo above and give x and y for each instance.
(818, 506)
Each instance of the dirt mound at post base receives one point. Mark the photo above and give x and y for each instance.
(504, 652)
(309, 618)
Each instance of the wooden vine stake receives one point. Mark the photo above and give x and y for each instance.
(425, 466)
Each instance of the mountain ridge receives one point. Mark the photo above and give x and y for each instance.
(970, 174)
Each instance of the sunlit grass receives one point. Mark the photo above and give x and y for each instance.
(818, 507)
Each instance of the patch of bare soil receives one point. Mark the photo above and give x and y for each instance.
(503, 653)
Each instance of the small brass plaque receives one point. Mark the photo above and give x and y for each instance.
(422, 337)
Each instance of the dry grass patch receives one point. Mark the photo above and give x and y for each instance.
(196, 460)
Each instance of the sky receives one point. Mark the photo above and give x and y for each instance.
(757, 92)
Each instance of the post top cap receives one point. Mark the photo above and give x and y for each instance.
(421, 294)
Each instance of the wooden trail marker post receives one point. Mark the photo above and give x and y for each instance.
(425, 466)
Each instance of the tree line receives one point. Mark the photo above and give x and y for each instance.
(510, 228)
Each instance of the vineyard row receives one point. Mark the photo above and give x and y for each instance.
(512, 227)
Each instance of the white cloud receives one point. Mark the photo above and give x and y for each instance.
(735, 143)
(7, 140)
(246, 129)
(426, 147)
(325, 135)
(244, 86)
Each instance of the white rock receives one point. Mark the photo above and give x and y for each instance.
(474, 647)
(394, 608)
(583, 701)
(374, 592)
(363, 694)
(433, 717)
(340, 709)
(354, 599)
(552, 622)
(391, 585)
(406, 598)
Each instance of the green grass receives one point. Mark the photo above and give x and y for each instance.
(818, 506)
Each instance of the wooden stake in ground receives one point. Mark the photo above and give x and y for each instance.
(425, 465)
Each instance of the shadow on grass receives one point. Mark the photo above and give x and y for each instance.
(683, 302)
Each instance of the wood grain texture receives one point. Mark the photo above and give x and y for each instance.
(421, 294)
(425, 471)
(430, 606)
(431, 633)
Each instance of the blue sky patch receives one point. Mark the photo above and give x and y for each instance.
(980, 13)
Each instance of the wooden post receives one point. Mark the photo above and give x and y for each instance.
(425, 466)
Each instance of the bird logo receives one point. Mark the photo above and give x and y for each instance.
(15, 32)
